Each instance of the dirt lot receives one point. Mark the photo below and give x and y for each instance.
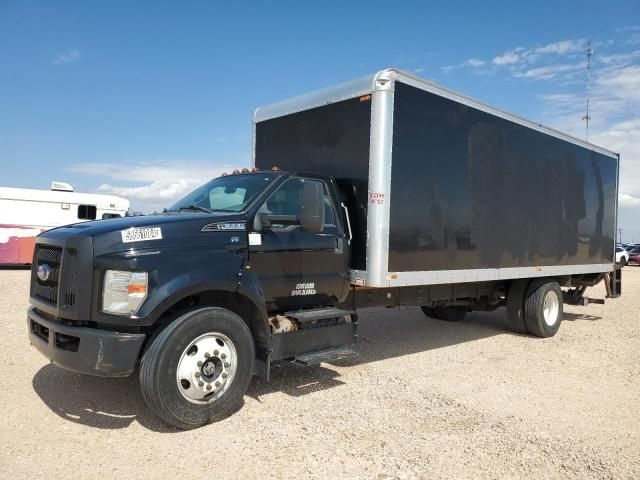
(422, 399)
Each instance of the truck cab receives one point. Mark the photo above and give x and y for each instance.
(267, 250)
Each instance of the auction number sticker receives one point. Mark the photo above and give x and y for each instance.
(141, 234)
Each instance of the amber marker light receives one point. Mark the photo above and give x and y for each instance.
(136, 288)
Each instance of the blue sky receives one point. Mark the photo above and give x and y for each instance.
(148, 99)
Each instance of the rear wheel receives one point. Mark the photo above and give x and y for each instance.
(543, 308)
(623, 262)
(515, 305)
(450, 314)
(197, 369)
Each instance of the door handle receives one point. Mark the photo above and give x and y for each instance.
(338, 245)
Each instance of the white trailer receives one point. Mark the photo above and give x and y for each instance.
(25, 213)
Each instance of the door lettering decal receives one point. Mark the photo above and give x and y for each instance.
(304, 289)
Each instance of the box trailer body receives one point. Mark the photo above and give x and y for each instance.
(444, 189)
(389, 191)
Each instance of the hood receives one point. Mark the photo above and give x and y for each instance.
(175, 229)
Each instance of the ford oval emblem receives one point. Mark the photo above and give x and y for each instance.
(44, 271)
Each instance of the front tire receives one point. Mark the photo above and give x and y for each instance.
(543, 308)
(198, 368)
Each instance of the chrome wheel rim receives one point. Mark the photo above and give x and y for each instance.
(551, 308)
(206, 368)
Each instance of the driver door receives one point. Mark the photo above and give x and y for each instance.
(298, 269)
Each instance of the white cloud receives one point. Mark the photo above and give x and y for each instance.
(510, 57)
(618, 58)
(160, 190)
(67, 57)
(562, 48)
(623, 83)
(151, 185)
(627, 200)
(547, 72)
(475, 62)
(471, 62)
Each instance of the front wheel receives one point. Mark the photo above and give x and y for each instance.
(199, 368)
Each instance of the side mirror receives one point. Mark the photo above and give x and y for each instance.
(312, 207)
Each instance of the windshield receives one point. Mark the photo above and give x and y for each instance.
(231, 193)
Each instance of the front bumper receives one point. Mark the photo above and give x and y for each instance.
(85, 350)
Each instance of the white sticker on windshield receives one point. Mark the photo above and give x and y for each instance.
(255, 239)
(141, 234)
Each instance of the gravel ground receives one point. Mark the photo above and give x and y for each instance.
(422, 399)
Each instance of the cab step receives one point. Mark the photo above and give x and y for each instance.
(314, 314)
(330, 355)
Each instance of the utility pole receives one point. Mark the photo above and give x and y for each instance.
(587, 116)
(619, 235)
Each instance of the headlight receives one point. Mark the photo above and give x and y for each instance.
(123, 292)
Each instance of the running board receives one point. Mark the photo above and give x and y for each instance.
(314, 314)
(316, 358)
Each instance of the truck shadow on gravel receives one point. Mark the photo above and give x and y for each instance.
(106, 403)
(115, 403)
(383, 334)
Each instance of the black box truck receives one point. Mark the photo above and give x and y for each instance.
(385, 191)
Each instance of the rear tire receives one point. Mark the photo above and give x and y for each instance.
(198, 368)
(515, 306)
(449, 314)
(543, 308)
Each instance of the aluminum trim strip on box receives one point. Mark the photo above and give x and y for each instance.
(379, 194)
(438, 277)
(318, 98)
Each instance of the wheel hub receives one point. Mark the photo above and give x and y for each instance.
(551, 308)
(206, 368)
(212, 368)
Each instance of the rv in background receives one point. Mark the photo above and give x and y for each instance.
(25, 213)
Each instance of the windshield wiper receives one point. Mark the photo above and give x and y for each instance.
(193, 206)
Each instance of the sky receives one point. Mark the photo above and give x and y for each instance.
(148, 100)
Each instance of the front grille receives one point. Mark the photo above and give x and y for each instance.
(51, 256)
(69, 279)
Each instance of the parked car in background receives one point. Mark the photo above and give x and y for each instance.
(622, 256)
(634, 256)
(630, 246)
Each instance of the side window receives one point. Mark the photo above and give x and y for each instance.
(286, 201)
(87, 212)
(329, 215)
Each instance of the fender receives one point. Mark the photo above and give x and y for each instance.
(176, 275)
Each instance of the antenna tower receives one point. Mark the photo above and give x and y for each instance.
(587, 116)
